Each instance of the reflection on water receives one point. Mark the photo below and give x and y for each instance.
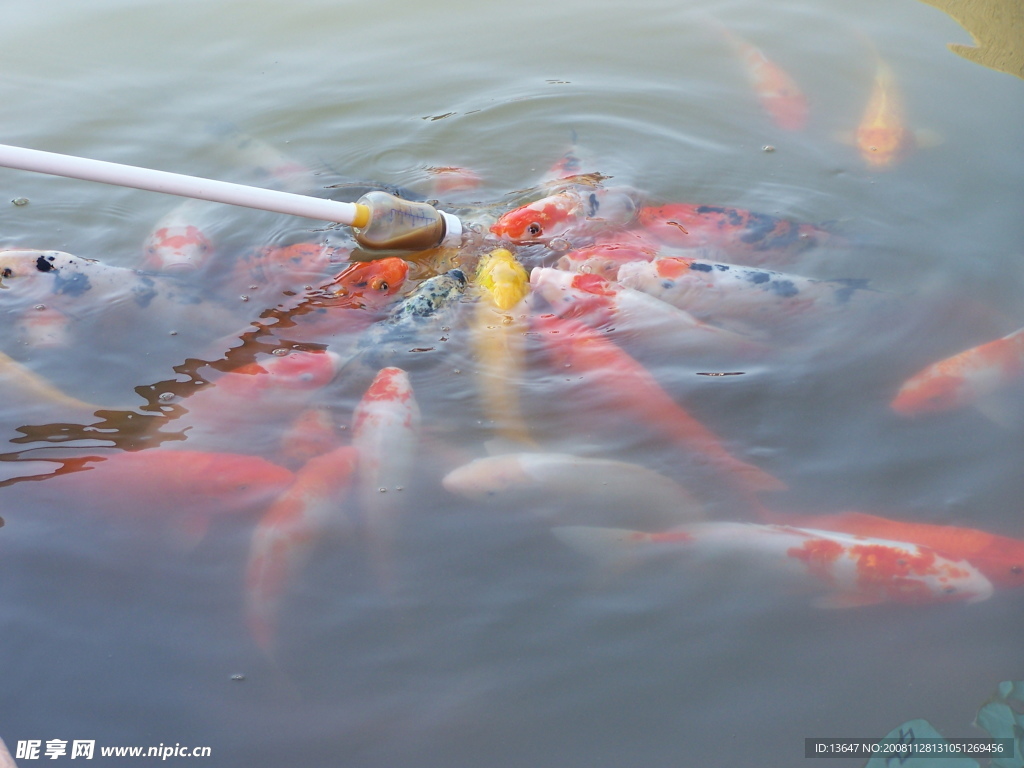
(997, 27)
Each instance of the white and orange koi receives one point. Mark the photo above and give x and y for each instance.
(607, 253)
(283, 539)
(23, 386)
(741, 298)
(498, 341)
(852, 570)
(452, 179)
(385, 431)
(312, 433)
(44, 327)
(966, 378)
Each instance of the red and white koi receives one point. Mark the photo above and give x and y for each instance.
(625, 385)
(999, 558)
(385, 431)
(284, 538)
(737, 297)
(744, 236)
(577, 212)
(965, 378)
(179, 242)
(852, 570)
(882, 137)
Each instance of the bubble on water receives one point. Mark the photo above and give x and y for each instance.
(560, 244)
(280, 352)
(767, 148)
(238, 677)
(19, 201)
(165, 397)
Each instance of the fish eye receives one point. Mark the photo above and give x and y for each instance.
(379, 284)
(534, 229)
(7, 272)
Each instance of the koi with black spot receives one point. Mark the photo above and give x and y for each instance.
(746, 236)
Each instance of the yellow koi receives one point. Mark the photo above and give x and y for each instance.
(499, 343)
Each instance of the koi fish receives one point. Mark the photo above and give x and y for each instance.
(882, 137)
(746, 236)
(348, 303)
(278, 269)
(64, 282)
(777, 92)
(312, 433)
(385, 431)
(630, 315)
(265, 164)
(629, 387)
(177, 242)
(856, 570)
(416, 324)
(184, 483)
(572, 213)
(31, 389)
(963, 379)
(284, 537)
(999, 558)
(538, 480)
(43, 327)
(450, 179)
(498, 341)
(245, 405)
(606, 255)
(741, 298)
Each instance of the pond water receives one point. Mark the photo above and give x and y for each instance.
(494, 643)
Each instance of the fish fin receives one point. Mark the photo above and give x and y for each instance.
(926, 138)
(846, 600)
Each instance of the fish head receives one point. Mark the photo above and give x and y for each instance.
(604, 258)
(502, 278)
(449, 179)
(881, 146)
(540, 221)
(1002, 562)
(298, 369)
(177, 248)
(369, 284)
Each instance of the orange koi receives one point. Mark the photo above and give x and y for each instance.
(284, 537)
(855, 570)
(746, 236)
(575, 212)
(999, 558)
(882, 136)
(159, 481)
(963, 379)
(312, 433)
(777, 92)
(629, 387)
(279, 269)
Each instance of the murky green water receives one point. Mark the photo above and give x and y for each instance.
(499, 646)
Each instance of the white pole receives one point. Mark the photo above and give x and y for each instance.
(184, 186)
